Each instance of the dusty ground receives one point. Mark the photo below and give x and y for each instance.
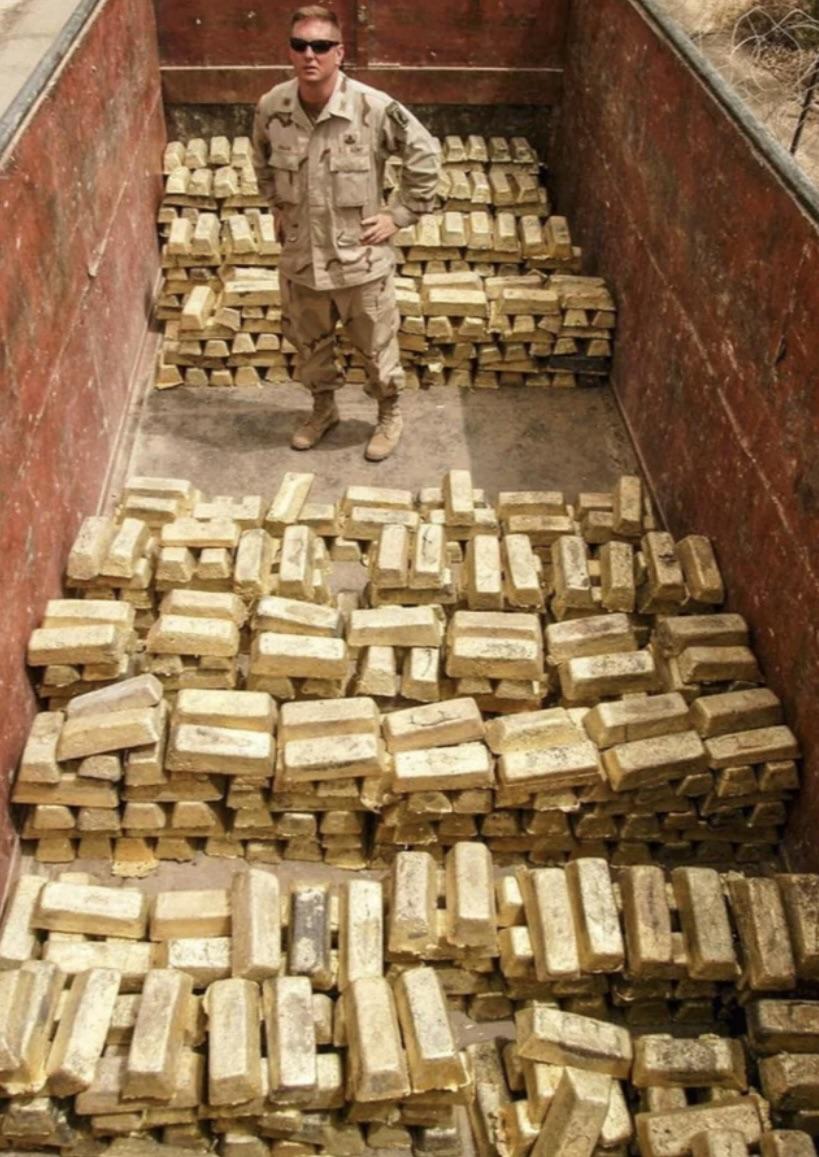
(767, 81)
(236, 441)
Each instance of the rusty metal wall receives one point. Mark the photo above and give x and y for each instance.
(480, 52)
(79, 188)
(711, 240)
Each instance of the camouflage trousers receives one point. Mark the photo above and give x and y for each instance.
(369, 315)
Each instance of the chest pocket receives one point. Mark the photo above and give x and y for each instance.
(285, 166)
(351, 178)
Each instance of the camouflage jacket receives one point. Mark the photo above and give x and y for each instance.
(323, 177)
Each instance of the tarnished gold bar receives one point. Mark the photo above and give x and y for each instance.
(92, 909)
(470, 911)
(575, 1117)
(234, 1042)
(81, 1034)
(17, 941)
(191, 914)
(158, 1034)
(434, 1061)
(600, 941)
(255, 903)
(566, 1038)
(361, 931)
(705, 924)
(291, 1039)
(551, 926)
(378, 1065)
(413, 924)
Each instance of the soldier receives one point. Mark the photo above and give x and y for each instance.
(320, 144)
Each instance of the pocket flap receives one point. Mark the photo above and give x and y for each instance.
(282, 159)
(350, 163)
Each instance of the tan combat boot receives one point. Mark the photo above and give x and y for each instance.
(324, 416)
(388, 431)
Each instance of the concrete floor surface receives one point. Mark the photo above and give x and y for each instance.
(236, 441)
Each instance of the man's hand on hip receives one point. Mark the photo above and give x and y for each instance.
(378, 229)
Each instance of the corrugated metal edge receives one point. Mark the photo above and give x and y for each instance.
(16, 112)
(780, 160)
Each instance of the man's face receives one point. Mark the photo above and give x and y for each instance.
(311, 66)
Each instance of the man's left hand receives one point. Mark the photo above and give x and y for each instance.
(378, 229)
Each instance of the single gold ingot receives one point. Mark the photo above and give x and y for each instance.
(546, 1034)
(413, 904)
(17, 941)
(468, 765)
(256, 925)
(361, 931)
(470, 912)
(452, 722)
(158, 1036)
(234, 1042)
(190, 914)
(132, 959)
(599, 939)
(706, 1062)
(705, 924)
(434, 1060)
(112, 731)
(244, 710)
(202, 749)
(378, 1064)
(759, 915)
(203, 958)
(551, 925)
(92, 909)
(309, 935)
(575, 1117)
(670, 1134)
(800, 895)
(81, 1034)
(647, 920)
(291, 1038)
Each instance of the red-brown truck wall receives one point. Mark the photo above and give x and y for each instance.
(421, 51)
(715, 264)
(79, 188)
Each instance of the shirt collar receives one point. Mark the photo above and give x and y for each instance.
(340, 104)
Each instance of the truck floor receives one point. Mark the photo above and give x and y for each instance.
(236, 441)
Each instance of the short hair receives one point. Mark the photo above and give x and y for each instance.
(315, 12)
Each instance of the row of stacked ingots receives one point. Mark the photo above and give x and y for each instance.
(489, 288)
(277, 678)
(263, 1021)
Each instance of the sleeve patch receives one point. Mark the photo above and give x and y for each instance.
(396, 113)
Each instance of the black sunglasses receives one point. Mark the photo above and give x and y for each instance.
(320, 47)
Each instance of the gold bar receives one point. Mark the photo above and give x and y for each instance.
(158, 1035)
(256, 921)
(291, 1038)
(434, 1061)
(82, 1032)
(378, 1065)
(234, 1043)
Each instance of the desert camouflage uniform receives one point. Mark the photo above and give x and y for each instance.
(322, 178)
